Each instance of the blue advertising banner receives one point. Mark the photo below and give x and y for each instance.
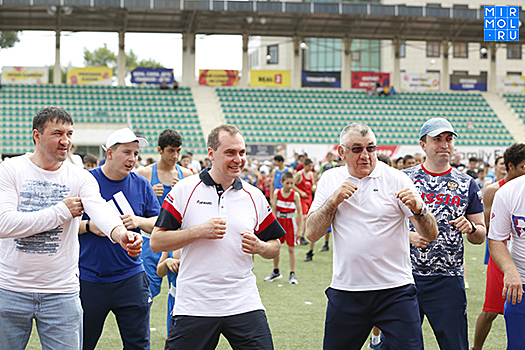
(142, 75)
(468, 82)
(321, 79)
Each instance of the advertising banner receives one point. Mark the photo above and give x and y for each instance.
(275, 78)
(218, 77)
(144, 75)
(511, 84)
(468, 82)
(321, 79)
(261, 151)
(25, 75)
(90, 76)
(317, 152)
(420, 82)
(366, 80)
(486, 153)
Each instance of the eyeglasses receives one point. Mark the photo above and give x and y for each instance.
(359, 149)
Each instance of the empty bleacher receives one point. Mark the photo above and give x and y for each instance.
(517, 104)
(318, 115)
(264, 115)
(150, 110)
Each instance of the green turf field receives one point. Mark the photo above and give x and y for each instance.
(296, 312)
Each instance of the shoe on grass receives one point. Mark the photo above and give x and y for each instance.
(324, 248)
(293, 279)
(309, 256)
(273, 276)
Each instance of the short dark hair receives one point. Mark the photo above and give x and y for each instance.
(50, 114)
(384, 158)
(184, 156)
(287, 175)
(169, 137)
(407, 158)
(515, 154)
(497, 159)
(307, 161)
(278, 158)
(473, 159)
(90, 158)
(213, 137)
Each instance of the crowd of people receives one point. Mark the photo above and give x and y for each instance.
(398, 227)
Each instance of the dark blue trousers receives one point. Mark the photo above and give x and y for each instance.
(443, 301)
(130, 301)
(350, 317)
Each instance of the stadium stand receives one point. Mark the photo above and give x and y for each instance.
(268, 115)
(517, 104)
(150, 110)
(265, 115)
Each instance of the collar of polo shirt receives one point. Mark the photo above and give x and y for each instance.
(208, 181)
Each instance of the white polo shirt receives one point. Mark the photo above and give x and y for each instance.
(370, 229)
(215, 276)
(507, 218)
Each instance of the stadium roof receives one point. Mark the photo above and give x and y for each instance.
(303, 19)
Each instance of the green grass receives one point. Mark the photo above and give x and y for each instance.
(296, 312)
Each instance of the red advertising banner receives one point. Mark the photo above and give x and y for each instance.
(219, 77)
(388, 150)
(365, 80)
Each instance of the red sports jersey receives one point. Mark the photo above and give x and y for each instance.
(306, 184)
(285, 205)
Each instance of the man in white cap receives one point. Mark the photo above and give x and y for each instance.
(456, 201)
(110, 280)
(43, 197)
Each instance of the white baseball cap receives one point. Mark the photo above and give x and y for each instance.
(125, 136)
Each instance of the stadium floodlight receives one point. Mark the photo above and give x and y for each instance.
(67, 10)
(249, 19)
(51, 10)
(263, 20)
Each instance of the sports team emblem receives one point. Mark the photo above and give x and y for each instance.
(452, 185)
(519, 224)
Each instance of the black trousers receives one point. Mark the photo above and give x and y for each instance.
(247, 331)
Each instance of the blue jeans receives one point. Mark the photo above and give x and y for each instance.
(58, 318)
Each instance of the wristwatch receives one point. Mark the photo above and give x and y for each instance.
(474, 227)
(422, 213)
